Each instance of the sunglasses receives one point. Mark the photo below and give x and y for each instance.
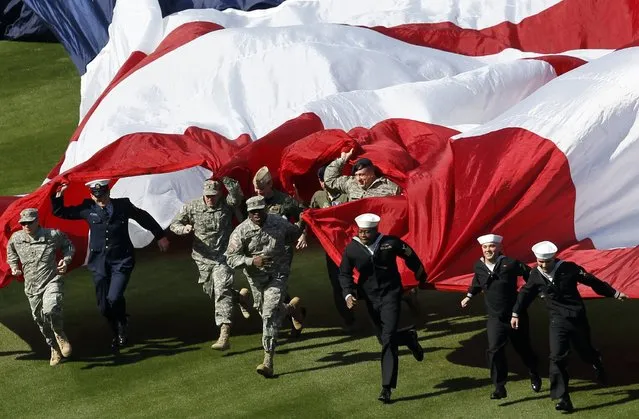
(26, 223)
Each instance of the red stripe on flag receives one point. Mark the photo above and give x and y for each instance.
(568, 25)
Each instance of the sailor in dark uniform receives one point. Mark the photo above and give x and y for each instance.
(374, 255)
(496, 275)
(558, 280)
(111, 259)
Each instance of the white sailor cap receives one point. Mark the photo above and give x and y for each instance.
(490, 238)
(98, 187)
(367, 220)
(544, 250)
(98, 183)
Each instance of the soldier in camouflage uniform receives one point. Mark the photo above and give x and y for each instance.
(210, 219)
(364, 182)
(283, 205)
(35, 248)
(258, 245)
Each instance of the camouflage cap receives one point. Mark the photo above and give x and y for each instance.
(255, 203)
(28, 215)
(262, 177)
(212, 187)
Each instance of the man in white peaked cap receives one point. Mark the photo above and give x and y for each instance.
(496, 275)
(111, 254)
(375, 255)
(557, 280)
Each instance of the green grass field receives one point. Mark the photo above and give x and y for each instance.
(170, 370)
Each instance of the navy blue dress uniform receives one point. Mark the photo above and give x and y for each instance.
(381, 288)
(111, 254)
(568, 321)
(498, 282)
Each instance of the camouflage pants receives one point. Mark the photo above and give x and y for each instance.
(46, 309)
(268, 298)
(217, 282)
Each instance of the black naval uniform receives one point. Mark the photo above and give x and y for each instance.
(568, 321)
(111, 259)
(381, 287)
(500, 289)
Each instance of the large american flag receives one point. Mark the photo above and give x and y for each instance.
(496, 116)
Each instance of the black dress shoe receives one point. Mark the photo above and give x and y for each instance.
(600, 373)
(415, 347)
(564, 405)
(499, 393)
(115, 345)
(122, 337)
(535, 382)
(385, 395)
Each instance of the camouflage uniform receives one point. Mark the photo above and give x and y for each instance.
(212, 228)
(286, 207)
(268, 284)
(43, 285)
(336, 183)
(322, 199)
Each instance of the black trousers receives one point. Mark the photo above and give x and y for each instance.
(499, 333)
(384, 312)
(565, 332)
(338, 297)
(109, 292)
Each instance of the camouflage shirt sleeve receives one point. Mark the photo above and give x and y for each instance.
(62, 242)
(181, 219)
(235, 195)
(333, 179)
(395, 187)
(235, 256)
(12, 255)
(314, 203)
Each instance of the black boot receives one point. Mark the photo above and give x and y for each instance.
(385, 395)
(564, 405)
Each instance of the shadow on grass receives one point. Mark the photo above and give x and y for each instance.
(627, 395)
(11, 353)
(350, 357)
(618, 359)
(452, 385)
(137, 353)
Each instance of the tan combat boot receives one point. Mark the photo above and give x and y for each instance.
(294, 310)
(222, 343)
(63, 343)
(266, 368)
(244, 303)
(56, 357)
